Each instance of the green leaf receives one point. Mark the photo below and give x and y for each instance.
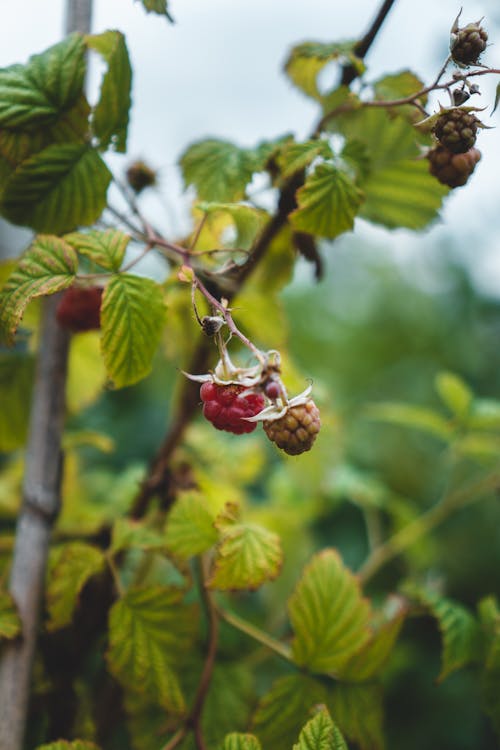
(398, 86)
(34, 95)
(247, 555)
(320, 733)
(58, 188)
(16, 381)
(111, 113)
(65, 745)
(328, 615)
(358, 712)
(490, 679)
(248, 220)
(238, 741)
(107, 249)
(403, 194)
(220, 170)
(132, 319)
(10, 623)
(190, 526)
(327, 203)
(497, 98)
(150, 629)
(459, 630)
(485, 414)
(454, 393)
(284, 710)
(407, 415)
(370, 660)
(160, 7)
(478, 445)
(130, 534)
(48, 266)
(399, 190)
(306, 60)
(70, 569)
(296, 156)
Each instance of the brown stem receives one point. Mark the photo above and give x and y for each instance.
(41, 499)
(350, 72)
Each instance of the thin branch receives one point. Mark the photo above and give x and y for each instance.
(256, 634)
(410, 534)
(176, 739)
(350, 72)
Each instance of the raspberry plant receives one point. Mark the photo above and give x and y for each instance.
(148, 614)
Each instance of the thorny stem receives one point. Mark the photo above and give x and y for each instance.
(451, 501)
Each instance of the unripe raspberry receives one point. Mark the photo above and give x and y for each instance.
(140, 176)
(228, 406)
(295, 431)
(456, 130)
(452, 169)
(468, 44)
(80, 309)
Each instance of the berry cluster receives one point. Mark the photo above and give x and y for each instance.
(468, 44)
(227, 407)
(80, 309)
(452, 169)
(296, 431)
(456, 129)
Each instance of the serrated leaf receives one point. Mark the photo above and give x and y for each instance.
(416, 417)
(247, 555)
(48, 266)
(132, 318)
(10, 623)
(371, 658)
(190, 526)
(403, 194)
(70, 569)
(306, 60)
(33, 95)
(329, 616)
(107, 249)
(320, 733)
(327, 203)
(284, 710)
(41, 192)
(16, 381)
(149, 630)
(220, 170)
(65, 745)
(111, 113)
(358, 712)
(130, 534)
(296, 156)
(238, 741)
(248, 220)
(454, 393)
(458, 627)
(387, 139)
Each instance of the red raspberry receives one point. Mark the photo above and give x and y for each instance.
(80, 309)
(227, 406)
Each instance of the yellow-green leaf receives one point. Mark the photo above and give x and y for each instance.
(455, 393)
(358, 711)
(307, 59)
(65, 745)
(107, 249)
(329, 616)
(327, 203)
(296, 156)
(57, 189)
(48, 266)
(408, 415)
(150, 629)
(284, 710)
(10, 623)
(190, 526)
(110, 115)
(247, 555)
(71, 567)
(16, 381)
(239, 741)
(86, 373)
(132, 318)
(247, 220)
(320, 733)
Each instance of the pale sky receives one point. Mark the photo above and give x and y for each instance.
(218, 72)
